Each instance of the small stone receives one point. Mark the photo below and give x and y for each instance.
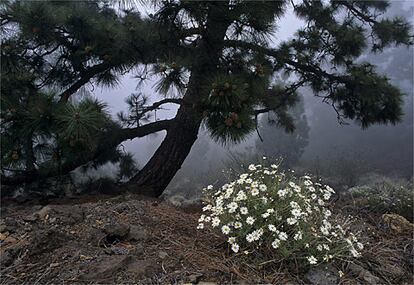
(142, 268)
(106, 267)
(162, 254)
(364, 274)
(3, 228)
(3, 236)
(9, 240)
(44, 213)
(137, 233)
(137, 250)
(117, 230)
(195, 278)
(322, 275)
(52, 265)
(30, 218)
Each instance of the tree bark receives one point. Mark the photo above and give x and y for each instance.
(167, 160)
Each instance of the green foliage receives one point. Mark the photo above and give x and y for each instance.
(136, 115)
(369, 98)
(216, 54)
(81, 122)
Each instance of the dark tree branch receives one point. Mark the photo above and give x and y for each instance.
(85, 77)
(156, 105)
(357, 13)
(116, 137)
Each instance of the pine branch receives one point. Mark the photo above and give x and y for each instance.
(107, 142)
(85, 77)
(156, 105)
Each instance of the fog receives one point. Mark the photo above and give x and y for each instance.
(342, 150)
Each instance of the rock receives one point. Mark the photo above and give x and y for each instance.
(137, 233)
(322, 275)
(47, 241)
(52, 265)
(30, 218)
(116, 250)
(117, 230)
(70, 215)
(142, 268)
(397, 223)
(11, 224)
(3, 236)
(137, 250)
(106, 267)
(10, 240)
(120, 208)
(363, 274)
(162, 254)
(3, 228)
(44, 212)
(195, 278)
(6, 258)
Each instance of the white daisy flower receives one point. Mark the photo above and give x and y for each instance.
(291, 221)
(215, 222)
(272, 228)
(225, 229)
(250, 220)
(200, 226)
(244, 211)
(283, 236)
(312, 260)
(255, 192)
(235, 247)
(276, 243)
(252, 167)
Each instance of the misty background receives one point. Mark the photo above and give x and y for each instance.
(320, 145)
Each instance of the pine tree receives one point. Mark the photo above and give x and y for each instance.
(213, 58)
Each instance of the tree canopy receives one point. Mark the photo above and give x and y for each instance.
(215, 59)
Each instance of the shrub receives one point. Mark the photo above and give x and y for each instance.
(274, 214)
(386, 196)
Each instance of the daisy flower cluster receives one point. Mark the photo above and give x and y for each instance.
(267, 208)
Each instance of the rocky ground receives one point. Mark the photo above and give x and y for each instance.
(131, 239)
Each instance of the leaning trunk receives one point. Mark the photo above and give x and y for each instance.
(181, 135)
(167, 160)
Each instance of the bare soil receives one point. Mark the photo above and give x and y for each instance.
(131, 239)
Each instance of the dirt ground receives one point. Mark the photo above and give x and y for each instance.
(131, 239)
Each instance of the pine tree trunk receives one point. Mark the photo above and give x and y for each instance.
(167, 160)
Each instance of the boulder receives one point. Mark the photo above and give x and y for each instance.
(106, 267)
(397, 223)
(117, 230)
(137, 233)
(322, 275)
(363, 274)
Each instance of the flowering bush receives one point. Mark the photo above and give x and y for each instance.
(269, 211)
